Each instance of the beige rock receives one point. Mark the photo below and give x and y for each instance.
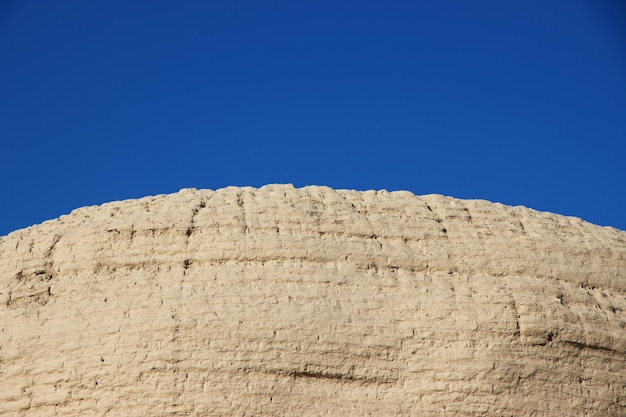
(280, 302)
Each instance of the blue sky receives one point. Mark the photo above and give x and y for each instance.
(519, 102)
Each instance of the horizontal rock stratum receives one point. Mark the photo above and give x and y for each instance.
(308, 302)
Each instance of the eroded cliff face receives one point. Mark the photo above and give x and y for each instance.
(280, 301)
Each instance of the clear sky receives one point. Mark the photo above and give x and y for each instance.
(518, 102)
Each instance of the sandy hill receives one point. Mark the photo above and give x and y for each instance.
(280, 301)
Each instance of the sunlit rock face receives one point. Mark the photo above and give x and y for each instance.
(308, 302)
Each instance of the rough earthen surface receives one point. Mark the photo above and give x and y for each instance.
(308, 302)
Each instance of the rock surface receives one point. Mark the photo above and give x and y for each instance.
(280, 301)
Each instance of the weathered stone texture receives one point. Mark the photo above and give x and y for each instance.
(280, 302)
